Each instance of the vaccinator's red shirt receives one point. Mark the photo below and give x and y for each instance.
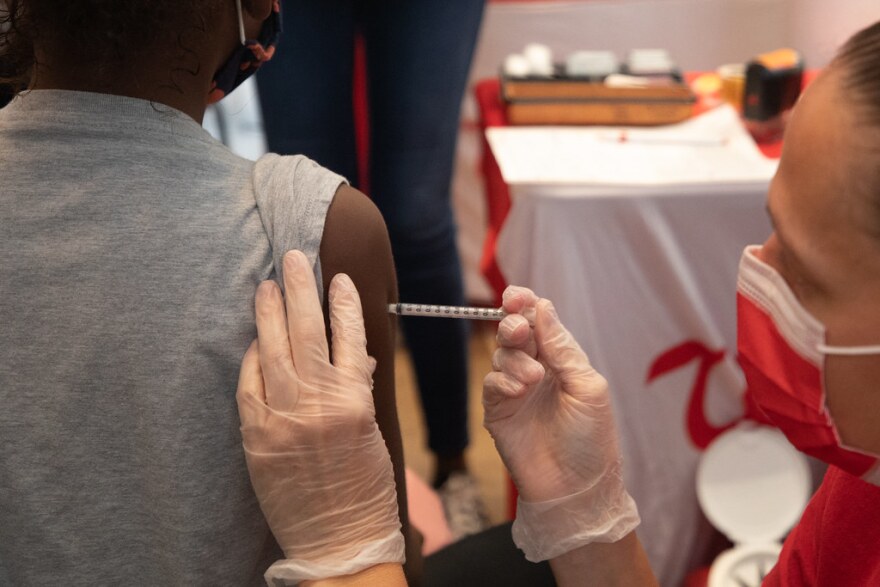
(837, 542)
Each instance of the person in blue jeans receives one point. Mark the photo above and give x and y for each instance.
(418, 56)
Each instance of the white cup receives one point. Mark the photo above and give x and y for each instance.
(540, 59)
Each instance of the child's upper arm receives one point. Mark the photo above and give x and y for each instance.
(356, 242)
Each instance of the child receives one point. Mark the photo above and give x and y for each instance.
(131, 247)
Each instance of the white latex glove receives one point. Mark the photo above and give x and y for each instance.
(316, 458)
(549, 413)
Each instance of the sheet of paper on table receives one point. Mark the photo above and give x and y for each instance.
(710, 148)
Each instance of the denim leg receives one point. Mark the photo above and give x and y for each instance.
(305, 90)
(419, 54)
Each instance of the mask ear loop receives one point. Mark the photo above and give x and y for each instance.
(240, 23)
(851, 351)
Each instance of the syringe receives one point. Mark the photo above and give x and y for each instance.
(428, 310)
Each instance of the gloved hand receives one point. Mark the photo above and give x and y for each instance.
(316, 458)
(549, 413)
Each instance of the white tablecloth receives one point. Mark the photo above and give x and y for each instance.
(641, 273)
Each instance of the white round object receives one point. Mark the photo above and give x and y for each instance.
(540, 58)
(517, 66)
(753, 485)
(744, 566)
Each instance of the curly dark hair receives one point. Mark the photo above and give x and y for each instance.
(104, 33)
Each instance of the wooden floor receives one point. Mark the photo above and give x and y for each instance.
(483, 460)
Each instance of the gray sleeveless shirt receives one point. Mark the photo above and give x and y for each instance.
(131, 243)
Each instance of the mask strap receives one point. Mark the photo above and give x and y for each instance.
(848, 350)
(240, 22)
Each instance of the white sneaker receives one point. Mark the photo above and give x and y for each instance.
(464, 508)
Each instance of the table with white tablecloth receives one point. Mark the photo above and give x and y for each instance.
(641, 264)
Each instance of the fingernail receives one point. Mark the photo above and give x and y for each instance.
(267, 298)
(509, 294)
(536, 372)
(294, 260)
(551, 311)
(266, 290)
(343, 281)
(505, 329)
